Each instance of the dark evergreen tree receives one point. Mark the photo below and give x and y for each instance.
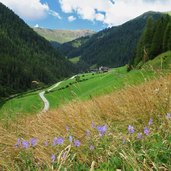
(143, 50)
(157, 42)
(167, 38)
(154, 40)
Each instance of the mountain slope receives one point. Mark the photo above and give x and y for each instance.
(26, 57)
(62, 36)
(73, 48)
(162, 61)
(156, 39)
(113, 46)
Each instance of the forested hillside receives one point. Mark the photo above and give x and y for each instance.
(73, 48)
(113, 46)
(155, 39)
(26, 57)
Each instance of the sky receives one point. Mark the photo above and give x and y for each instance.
(82, 14)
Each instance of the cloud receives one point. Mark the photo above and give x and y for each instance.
(112, 12)
(100, 17)
(36, 26)
(54, 14)
(30, 9)
(71, 18)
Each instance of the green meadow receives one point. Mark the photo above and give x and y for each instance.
(89, 85)
(95, 84)
(75, 60)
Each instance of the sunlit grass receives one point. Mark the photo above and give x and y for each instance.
(90, 85)
(75, 60)
(115, 149)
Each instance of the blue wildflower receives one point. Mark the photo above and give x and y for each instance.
(93, 125)
(139, 136)
(150, 121)
(53, 157)
(55, 141)
(102, 129)
(146, 131)
(168, 116)
(70, 138)
(25, 144)
(88, 132)
(131, 129)
(46, 143)
(33, 142)
(91, 147)
(77, 143)
(60, 140)
(67, 128)
(18, 143)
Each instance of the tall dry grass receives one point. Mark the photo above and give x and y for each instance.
(133, 105)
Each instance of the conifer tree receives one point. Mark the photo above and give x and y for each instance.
(157, 42)
(167, 38)
(144, 44)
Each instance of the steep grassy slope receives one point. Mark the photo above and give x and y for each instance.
(169, 13)
(126, 130)
(26, 57)
(62, 36)
(99, 84)
(163, 61)
(113, 46)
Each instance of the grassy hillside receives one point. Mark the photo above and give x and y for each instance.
(75, 60)
(90, 85)
(160, 62)
(169, 13)
(62, 36)
(96, 85)
(126, 130)
(26, 104)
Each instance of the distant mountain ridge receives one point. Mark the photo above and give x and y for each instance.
(62, 36)
(112, 47)
(26, 57)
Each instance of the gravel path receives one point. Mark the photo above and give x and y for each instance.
(43, 98)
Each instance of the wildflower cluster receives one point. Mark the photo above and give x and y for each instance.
(99, 130)
(60, 141)
(26, 143)
(146, 130)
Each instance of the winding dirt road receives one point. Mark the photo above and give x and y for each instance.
(43, 98)
(45, 101)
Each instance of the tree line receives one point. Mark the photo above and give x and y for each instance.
(155, 40)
